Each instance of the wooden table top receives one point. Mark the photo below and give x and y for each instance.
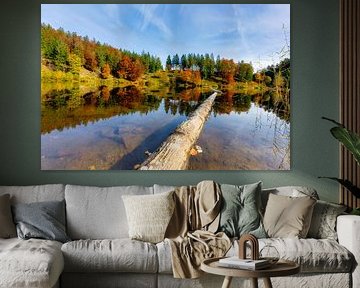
(281, 268)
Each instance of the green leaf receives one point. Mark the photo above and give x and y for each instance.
(347, 184)
(333, 121)
(349, 139)
(355, 211)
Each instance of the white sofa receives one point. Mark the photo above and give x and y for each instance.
(101, 255)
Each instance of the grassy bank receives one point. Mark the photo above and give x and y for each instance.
(87, 80)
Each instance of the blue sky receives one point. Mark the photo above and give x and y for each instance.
(249, 32)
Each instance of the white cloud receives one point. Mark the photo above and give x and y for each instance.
(265, 35)
(150, 17)
(112, 13)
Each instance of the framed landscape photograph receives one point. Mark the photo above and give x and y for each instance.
(165, 86)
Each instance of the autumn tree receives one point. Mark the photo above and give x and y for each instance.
(124, 67)
(188, 77)
(57, 46)
(136, 70)
(130, 69)
(105, 71)
(278, 80)
(90, 59)
(259, 77)
(74, 64)
(227, 69)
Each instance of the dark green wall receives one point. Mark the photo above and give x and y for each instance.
(315, 85)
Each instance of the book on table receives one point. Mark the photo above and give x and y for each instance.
(236, 262)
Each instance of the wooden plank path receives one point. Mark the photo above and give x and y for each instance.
(174, 152)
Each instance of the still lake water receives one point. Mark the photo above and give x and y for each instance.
(113, 128)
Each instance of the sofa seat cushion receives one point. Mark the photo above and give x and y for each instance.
(313, 255)
(110, 255)
(30, 263)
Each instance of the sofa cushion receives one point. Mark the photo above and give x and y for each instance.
(323, 222)
(313, 255)
(149, 215)
(117, 255)
(240, 210)
(291, 191)
(30, 263)
(43, 220)
(7, 226)
(37, 193)
(163, 188)
(287, 216)
(98, 213)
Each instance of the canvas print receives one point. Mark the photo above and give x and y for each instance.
(165, 86)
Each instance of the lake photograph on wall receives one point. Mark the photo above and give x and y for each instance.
(165, 87)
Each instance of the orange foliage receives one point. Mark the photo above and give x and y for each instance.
(90, 59)
(105, 71)
(130, 69)
(227, 69)
(105, 93)
(189, 76)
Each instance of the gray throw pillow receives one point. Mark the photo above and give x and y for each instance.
(44, 220)
(7, 226)
(240, 212)
(323, 222)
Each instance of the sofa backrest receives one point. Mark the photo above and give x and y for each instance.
(98, 212)
(36, 193)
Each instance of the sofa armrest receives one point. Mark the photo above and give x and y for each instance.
(348, 230)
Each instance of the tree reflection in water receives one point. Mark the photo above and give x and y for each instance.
(265, 114)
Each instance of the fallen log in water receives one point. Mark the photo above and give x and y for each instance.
(174, 152)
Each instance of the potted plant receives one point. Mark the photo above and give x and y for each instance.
(351, 141)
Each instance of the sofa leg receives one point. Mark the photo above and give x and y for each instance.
(254, 282)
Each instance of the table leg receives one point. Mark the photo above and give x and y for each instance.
(267, 283)
(227, 282)
(254, 282)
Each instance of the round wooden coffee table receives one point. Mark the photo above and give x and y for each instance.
(281, 268)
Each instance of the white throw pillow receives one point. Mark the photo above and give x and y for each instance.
(149, 215)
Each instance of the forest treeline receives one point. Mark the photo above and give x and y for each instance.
(69, 52)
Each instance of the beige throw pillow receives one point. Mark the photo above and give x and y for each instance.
(7, 226)
(149, 215)
(288, 217)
